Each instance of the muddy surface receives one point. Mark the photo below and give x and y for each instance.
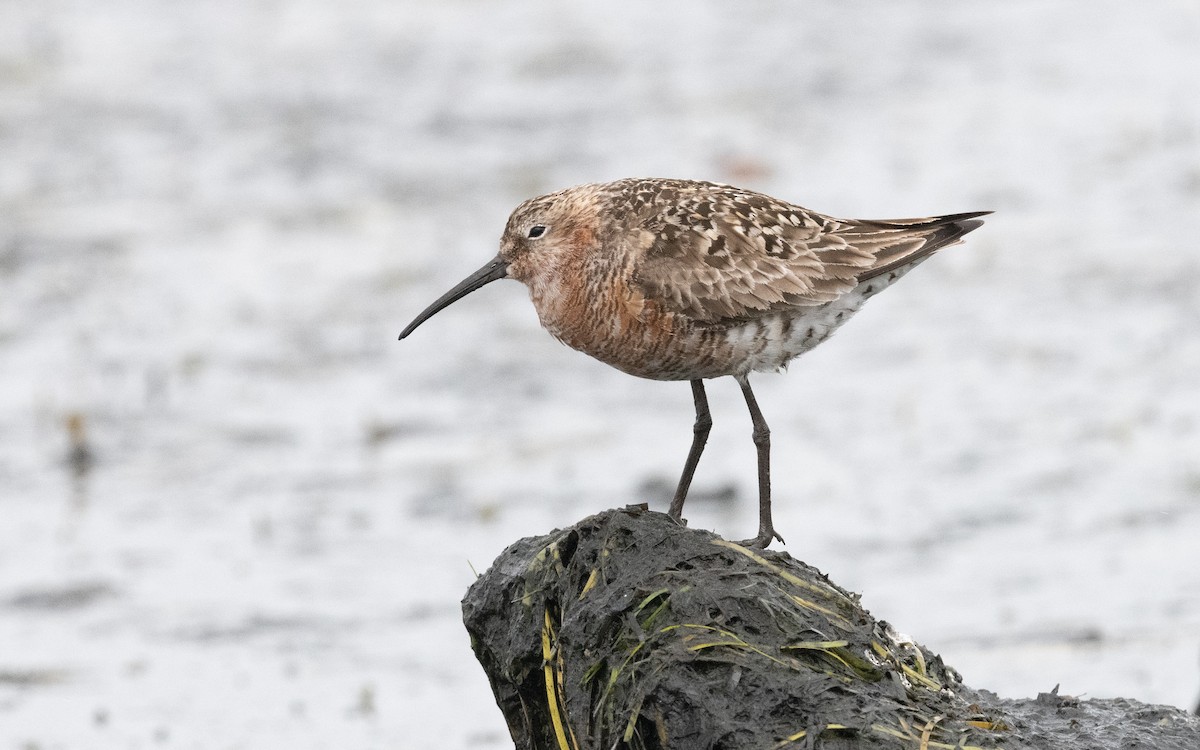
(627, 630)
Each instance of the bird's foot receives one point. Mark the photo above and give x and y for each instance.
(763, 540)
(677, 518)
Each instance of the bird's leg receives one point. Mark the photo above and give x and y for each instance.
(762, 441)
(699, 438)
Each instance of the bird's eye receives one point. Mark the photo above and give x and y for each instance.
(536, 231)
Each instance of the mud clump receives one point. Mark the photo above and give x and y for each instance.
(629, 631)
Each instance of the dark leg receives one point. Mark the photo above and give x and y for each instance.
(699, 438)
(762, 441)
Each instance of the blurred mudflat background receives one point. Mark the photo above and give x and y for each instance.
(235, 512)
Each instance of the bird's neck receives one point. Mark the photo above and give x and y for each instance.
(596, 311)
(560, 295)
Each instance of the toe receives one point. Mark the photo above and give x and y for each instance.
(763, 540)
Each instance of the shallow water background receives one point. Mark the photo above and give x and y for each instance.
(216, 217)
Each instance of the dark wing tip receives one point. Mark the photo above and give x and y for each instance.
(928, 223)
(967, 222)
(938, 232)
(950, 229)
(968, 215)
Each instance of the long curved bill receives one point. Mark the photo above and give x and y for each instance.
(497, 268)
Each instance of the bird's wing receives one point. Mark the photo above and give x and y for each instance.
(716, 253)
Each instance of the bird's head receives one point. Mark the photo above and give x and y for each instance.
(542, 235)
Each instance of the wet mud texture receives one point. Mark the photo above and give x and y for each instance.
(629, 631)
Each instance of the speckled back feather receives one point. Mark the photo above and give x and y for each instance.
(718, 254)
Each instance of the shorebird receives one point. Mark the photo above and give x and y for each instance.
(683, 280)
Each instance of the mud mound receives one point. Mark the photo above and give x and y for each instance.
(630, 631)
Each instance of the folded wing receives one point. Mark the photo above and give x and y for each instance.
(716, 253)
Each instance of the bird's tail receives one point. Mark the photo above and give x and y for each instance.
(904, 242)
